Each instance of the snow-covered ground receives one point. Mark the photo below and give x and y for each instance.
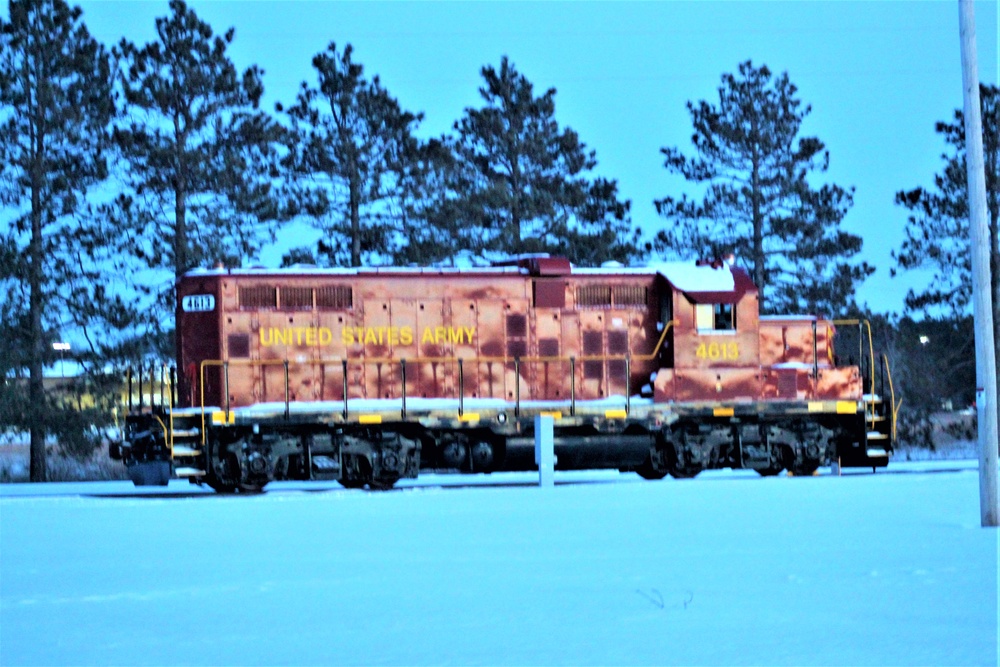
(725, 569)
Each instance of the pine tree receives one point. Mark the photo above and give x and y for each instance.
(200, 157)
(523, 183)
(55, 108)
(431, 222)
(350, 147)
(937, 230)
(759, 204)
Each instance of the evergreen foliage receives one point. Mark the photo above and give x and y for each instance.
(200, 157)
(522, 184)
(431, 219)
(937, 229)
(56, 105)
(350, 150)
(759, 204)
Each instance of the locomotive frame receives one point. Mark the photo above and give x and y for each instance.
(659, 370)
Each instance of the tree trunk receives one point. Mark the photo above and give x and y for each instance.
(515, 204)
(354, 206)
(758, 222)
(36, 388)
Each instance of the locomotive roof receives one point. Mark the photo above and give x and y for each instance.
(688, 277)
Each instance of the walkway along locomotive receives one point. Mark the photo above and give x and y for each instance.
(367, 376)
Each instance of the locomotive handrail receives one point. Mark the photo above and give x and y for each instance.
(871, 357)
(224, 363)
(170, 410)
(892, 397)
(627, 358)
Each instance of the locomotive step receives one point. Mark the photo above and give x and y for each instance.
(875, 435)
(188, 472)
(186, 433)
(184, 450)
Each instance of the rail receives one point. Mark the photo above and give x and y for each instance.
(403, 362)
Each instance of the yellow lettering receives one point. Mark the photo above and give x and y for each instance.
(393, 336)
(428, 336)
(440, 335)
(702, 351)
(311, 336)
(283, 335)
(470, 332)
(346, 336)
(406, 336)
(325, 336)
(454, 335)
(370, 337)
(269, 341)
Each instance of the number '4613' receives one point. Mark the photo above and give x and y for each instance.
(717, 351)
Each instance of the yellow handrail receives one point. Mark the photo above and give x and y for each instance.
(871, 360)
(170, 413)
(892, 397)
(422, 360)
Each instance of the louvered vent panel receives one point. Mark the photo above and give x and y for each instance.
(335, 297)
(593, 296)
(297, 298)
(629, 295)
(254, 297)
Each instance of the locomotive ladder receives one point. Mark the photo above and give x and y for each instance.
(880, 419)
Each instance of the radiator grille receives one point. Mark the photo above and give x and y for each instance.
(256, 297)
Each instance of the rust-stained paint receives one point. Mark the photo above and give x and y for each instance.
(515, 334)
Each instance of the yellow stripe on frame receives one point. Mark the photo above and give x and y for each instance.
(469, 417)
(816, 406)
(615, 414)
(554, 415)
(369, 419)
(723, 412)
(846, 407)
(220, 418)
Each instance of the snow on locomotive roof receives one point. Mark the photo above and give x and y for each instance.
(309, 269)
(685, 276)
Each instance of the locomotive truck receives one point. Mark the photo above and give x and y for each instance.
(369, 376)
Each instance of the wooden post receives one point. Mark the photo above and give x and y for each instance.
(986, 380)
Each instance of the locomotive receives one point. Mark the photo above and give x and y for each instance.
(369, 376)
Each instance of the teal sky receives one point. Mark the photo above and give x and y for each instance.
(877, 74)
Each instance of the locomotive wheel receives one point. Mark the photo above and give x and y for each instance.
(352, 483)
(685, 473)
(222, 487)
(805, 469)
(768, 472)
(383, 484)
(647, 471)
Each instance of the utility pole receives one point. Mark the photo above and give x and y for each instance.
(986, 379)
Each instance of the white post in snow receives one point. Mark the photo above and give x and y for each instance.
(545, 455)
(986, 379)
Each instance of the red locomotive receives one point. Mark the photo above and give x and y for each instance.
(367, 376)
